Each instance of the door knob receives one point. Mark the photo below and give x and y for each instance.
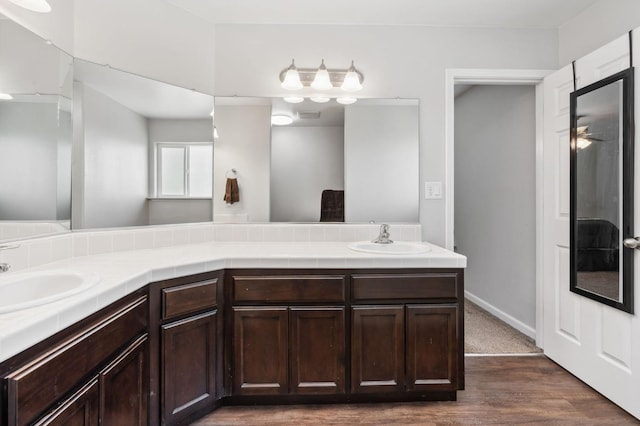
(632, 243)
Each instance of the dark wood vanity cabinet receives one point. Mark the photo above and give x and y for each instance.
(185, 324)
(94, 372)
(284, 350)
(346, 334)
(288, 334)
(407, 332)
(404, 348)
(177, 349)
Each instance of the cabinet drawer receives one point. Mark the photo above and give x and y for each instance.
(188, 298)
(289, 289)
(46, 379)
(405, 286)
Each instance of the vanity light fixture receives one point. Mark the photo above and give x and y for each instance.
(293, 99)
(40, 6)
(281, 120)
(5, 97)
(346, 100)
(322, 78)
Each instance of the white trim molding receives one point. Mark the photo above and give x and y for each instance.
(497, 77)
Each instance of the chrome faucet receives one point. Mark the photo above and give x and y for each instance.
(383, 238)
(4, 267)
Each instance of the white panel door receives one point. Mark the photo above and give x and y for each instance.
(595, 342)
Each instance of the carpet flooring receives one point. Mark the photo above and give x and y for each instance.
(486, 334)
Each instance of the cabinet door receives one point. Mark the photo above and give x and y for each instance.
(377, 351)
(432, 349)
(124, 387)
(260, 351)
(81, 409)
(317, 350)
(188, 366)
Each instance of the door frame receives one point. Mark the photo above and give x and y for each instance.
(532, 77)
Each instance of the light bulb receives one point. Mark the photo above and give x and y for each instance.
(291, 79)
(293, 99)
(322, 80)
(40, 6)
(281, 120)
(351, 81)
(583, 143)
(320, 99)
(346, 100)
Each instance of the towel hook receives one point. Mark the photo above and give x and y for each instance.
(231, 173)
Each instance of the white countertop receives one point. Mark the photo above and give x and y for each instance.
(122, 273)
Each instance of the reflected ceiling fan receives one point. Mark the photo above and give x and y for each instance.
(584, 138)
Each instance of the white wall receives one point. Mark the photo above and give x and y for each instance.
(56, 26)
(244, 144)
(65, 136)
(115, 163)
(407, 62)
(28, 163)
(606, 20)
(304, 162)
(29, 65)
(495, 196)
(147, 37)
(381, 151)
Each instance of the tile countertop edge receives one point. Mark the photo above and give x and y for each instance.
(125, 272)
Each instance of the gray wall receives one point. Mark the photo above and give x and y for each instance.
(28, 160)
(115, 163)
(495, 196)
(379, 139)
(304, 162)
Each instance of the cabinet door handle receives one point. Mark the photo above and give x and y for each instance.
(632, 243)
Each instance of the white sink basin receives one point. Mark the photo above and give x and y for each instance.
(397, 247)
(25, 290)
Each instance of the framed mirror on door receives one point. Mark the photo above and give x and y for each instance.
(602, 239)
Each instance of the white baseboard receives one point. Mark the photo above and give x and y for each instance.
(513, 322)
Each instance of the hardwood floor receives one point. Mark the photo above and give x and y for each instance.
(499, 391)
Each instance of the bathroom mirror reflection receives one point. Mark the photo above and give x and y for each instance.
(334, 163)
(602, 190)
(143, 150)
(35, 134)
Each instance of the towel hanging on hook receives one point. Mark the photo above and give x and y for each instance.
(232, 192)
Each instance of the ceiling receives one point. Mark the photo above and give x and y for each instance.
(464, 13)
(147, 97)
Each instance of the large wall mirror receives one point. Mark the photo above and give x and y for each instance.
(339, 163)
(35, 134)
(142, 150)
(88, 146)
(601, 182)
